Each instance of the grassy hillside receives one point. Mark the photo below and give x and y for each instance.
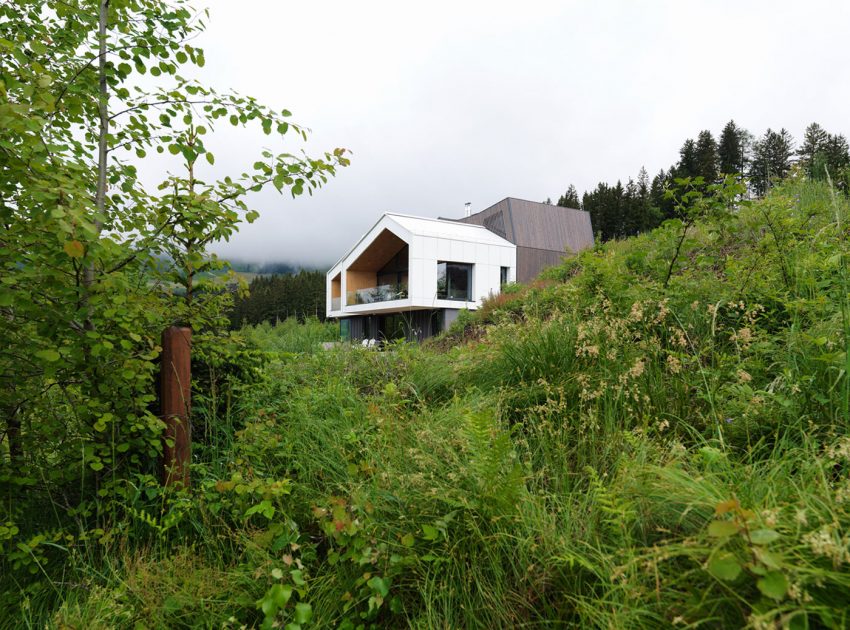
(596, 450)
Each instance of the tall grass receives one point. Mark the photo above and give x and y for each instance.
(600, 452)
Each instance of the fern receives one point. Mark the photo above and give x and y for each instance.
(493, 465)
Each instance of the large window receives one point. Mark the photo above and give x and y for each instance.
(454, 281)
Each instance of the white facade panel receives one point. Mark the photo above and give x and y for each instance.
(429, 249)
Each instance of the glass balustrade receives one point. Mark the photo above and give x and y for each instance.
(382, 293)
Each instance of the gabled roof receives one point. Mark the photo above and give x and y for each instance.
(537, 225)
(440, 228)
(424, 226)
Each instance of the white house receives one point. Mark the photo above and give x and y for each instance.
(409, 276)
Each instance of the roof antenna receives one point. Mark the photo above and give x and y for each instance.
(467, 209)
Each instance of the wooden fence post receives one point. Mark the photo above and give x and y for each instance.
(176, 405)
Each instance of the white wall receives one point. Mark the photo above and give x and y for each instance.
(487, 260)
(425, 252)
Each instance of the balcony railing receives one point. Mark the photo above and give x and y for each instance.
(336, 303)
(382, 293)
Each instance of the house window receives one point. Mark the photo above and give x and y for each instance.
(503, 276)
(454, 281)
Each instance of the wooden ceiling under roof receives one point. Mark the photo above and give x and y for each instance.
(380, 251)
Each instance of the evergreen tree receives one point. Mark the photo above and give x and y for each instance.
(275, 298)
(649, 217)
(836, 157)
(706, 157)
(771, 159)
(570, 198)
(662, 205)
(732, 149)
(814, 141)
(688, 165)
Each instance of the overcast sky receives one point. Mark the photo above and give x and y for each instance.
(447, 102)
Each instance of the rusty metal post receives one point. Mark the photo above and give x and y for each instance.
(176, 405)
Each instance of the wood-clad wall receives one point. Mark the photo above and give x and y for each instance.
(355, 280)
(543, 233)
(530, 262)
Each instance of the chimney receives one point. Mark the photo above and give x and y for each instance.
(467, 209)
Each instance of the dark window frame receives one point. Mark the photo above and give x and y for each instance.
(445, 291)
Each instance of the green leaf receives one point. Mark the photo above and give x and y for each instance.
(48, 355)
(379, 586)
(210, 158)
(74, 249)
(297, 577)
(281, 594)
(724, 566)
(430, 532)
(774, 585)
(722, 529)
(303, 613)
(768, 558)
(264, 507)
(763, 536)
(407, 540)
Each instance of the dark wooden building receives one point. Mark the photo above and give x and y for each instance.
(543, 233)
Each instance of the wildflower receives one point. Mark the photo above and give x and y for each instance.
(744, 376)
(673, 364)
(824, 542)
(770, 516)
(763, 622)
(794, 591)
(663, 311)
(636, 313)
(664, 424)
(800, 517)
(744, 336)
(839, 450)
(637, 369)
(587, 351)
(842, 493)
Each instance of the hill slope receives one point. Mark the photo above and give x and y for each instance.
(598, 449)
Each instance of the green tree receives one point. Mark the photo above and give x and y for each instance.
(657, 193)
(771, 159)
(570, 198)
(83, 295)
(706, 157)
(733, 149)
(814, 142)
(834, 157)
(688, 165)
